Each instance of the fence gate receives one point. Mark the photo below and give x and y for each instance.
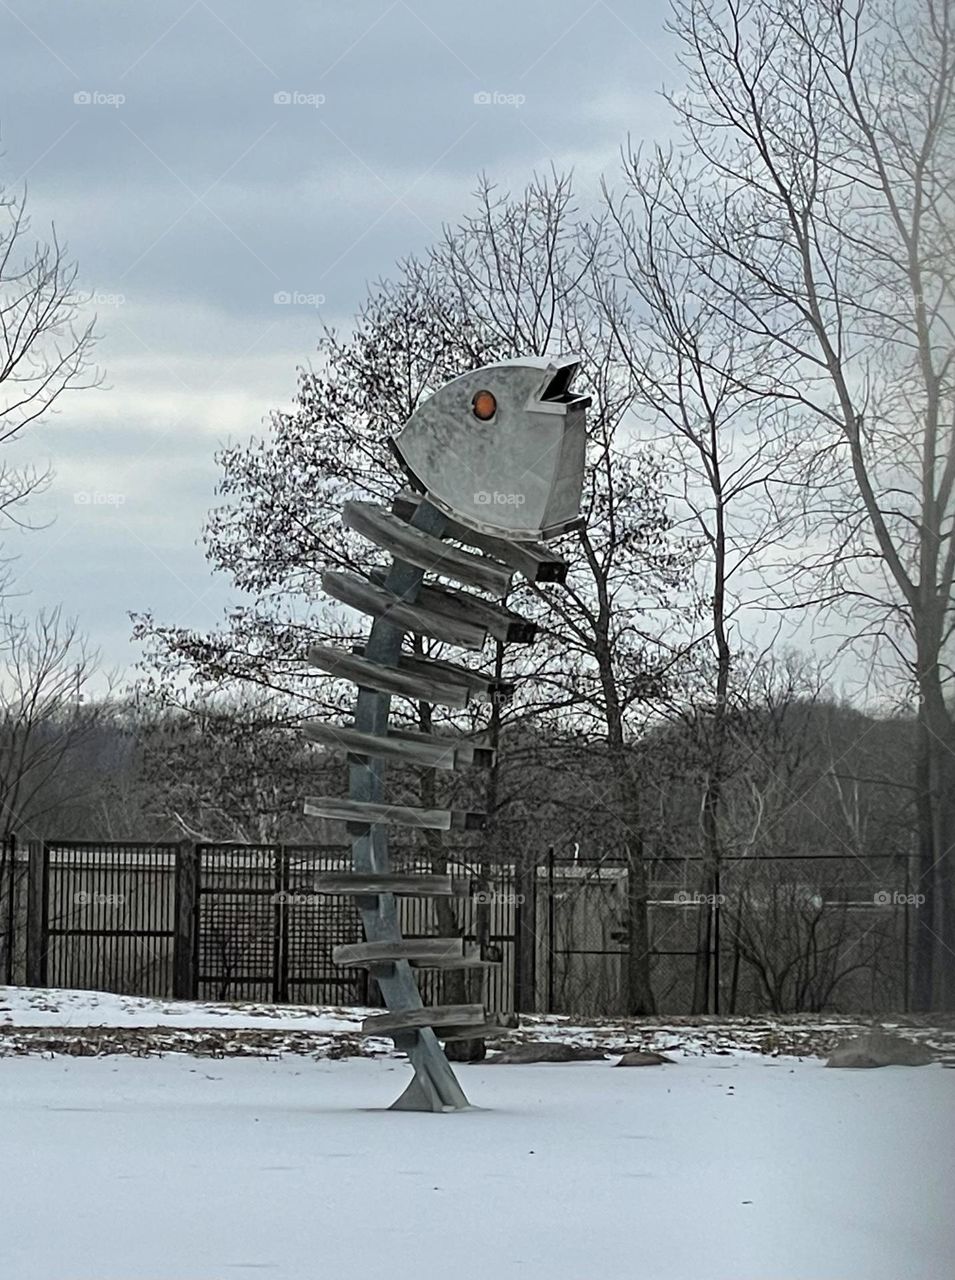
(101, 916)
(262, 934)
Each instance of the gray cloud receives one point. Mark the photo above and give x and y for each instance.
(198, 197)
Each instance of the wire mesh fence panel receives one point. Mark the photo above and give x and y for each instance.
(581, 916)
(489, 918)
(110, 916)
(240, 889)
(677, 918)
(312, 925)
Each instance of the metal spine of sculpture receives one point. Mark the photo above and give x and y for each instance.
(496, 458)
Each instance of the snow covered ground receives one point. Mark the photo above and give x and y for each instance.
(57, 1007)
(714, 1168)
(39, 1019)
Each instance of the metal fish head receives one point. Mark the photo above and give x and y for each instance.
(501, 449)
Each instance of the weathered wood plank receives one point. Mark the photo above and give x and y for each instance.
(467, 751)
(498, 1024)
(452, 1015)
(468, 610)
(533, 560)
(482, 688)
(396, 536)
(367, 884)
(445, 605)
(363, 953)
(444, 624)
(420, 680)
(474, 958)
(421, 953)
(363, 813)
(402, 745)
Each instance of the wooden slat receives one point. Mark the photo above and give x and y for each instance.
(364, 813)
(467, 751)
(421, 680)
(421, 953)
(498, 1024)
(396, 536)
(365, 953)
(469, 610)
(367, 884)
(447, 625)
(474, 958)
(402, 745)
(453, 1015)
(481, 688)
(446, 605)
(533, 560)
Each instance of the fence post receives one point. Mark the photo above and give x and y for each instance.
(37, 913)
(551, 929)
(907, 938)
(525, 938)
(717, 899)
(280, 926)
(8, 864)
(185, 967)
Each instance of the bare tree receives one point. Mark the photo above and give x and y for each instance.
(43, 720)
(817, 191)
(691, 371)
(45, 343)
(526, 269)
(229, 767)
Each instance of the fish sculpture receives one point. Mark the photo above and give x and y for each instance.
(501, 449)
(496, 458)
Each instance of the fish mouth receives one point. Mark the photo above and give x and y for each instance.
(554, 395)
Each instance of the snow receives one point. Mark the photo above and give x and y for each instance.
(716, 1168)
(56, 1007)
(270, 1028)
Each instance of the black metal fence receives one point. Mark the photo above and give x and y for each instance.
(782, 934)
(262, 934)
(239, 922)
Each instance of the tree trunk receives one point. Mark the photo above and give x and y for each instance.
(935, 774)
(639, 988)
(714, 755)
(924, 942)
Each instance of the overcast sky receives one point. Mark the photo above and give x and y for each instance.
(202, 158)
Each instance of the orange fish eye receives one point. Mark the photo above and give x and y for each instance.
(484, 405)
